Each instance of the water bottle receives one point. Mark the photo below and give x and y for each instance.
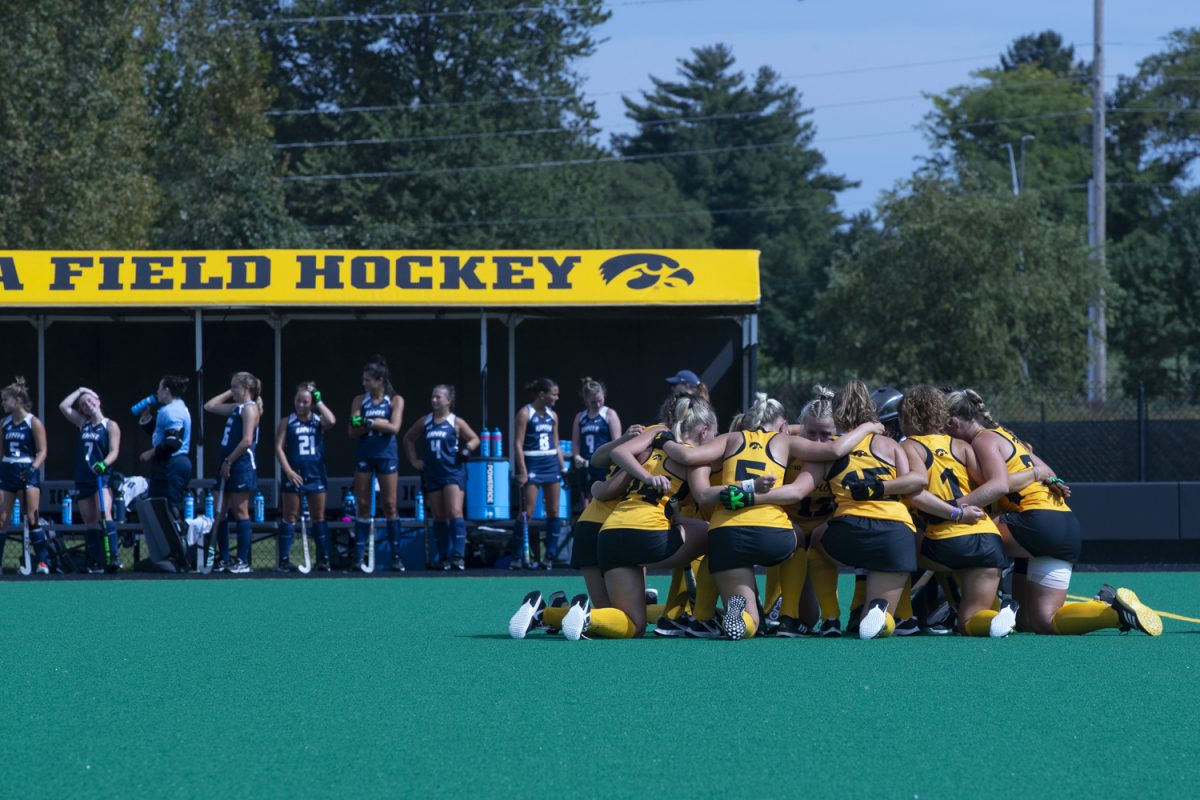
(497, 443)
(260, 507)
(210, 510)
(566, 447)
(485, 443)
(143, 404)
(420, 513)
(189, 506)
(16, 520)
(348, 509)
(67, 508)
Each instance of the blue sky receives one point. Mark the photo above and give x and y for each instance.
(800, 38)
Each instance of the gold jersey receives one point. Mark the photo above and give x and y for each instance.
(750, 460)
(816, 508)
(643, 506)
(863, 462)
(598, 510)
(1033, 497)
(948, 480)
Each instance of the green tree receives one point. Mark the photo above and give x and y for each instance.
(960, 285)
(75, 127)
(752, 163)
(215, 162)
(1045, 50)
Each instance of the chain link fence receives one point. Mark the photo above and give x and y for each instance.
(1124, 438)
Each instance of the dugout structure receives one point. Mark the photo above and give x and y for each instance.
(485, 321)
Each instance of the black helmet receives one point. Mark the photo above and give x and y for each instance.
(886, 400)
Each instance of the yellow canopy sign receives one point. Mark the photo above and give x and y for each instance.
(222, 278)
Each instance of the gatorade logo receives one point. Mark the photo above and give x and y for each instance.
(644, 270)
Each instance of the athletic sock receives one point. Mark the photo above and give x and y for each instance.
(362, 529)
(824, 576)
(904, 608)
(751, 628)
(393, 533)
(706, 594)
(792, 574)
(460, 538)
(1076, 619)
(1006, 582)
(322, 531)
(860, 592)
(110, 537)
(889, 625)
(655, 611)
(37, 538)
(223, 539)
(980, 624)
(287, 534)
(91, 545)
(553, 530)
(553, 617)
(676, 595)
(441, 539)
(609, 623)
(773, 591)
(245, 537)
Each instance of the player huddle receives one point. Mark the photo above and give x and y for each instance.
(943, 492)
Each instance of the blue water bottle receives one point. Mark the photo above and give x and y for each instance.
(143, 404)
(485, 444)
(67, 508)
(420, 512)
(210, 510)
(16, 520)
(348, 509)
(565, 444)
(497, 443)
(189, 506)
(260, 507)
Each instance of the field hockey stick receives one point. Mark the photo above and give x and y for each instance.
(108, 555)
(526, 561)
(306, 567)
(369, 567)
(209, 554)
(920, 583)
(26, 567)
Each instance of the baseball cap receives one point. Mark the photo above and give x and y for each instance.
(684, 376)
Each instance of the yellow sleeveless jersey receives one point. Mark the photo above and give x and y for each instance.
(643, 506)
(863, 462)
(814, 509)
(1033, 497)
(598, 510)
(948, 480)
(752, 459)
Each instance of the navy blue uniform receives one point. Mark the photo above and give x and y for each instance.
(439, 451)
(305, 450)
(541, 451)
(243, 473)
(18, 455)
(594, 433)
(376, 451)
(93, 446)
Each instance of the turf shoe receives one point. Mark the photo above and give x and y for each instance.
(733, 625)
(830, 628)
(459, 564)
(285, 565)
(445, 566)
(239, 567)
(792, 628)
(577, 620)
(557, 600)
(1106, 594)
(323, 565)
(397, 564)
(42, 569)
(908, 627)
(853, 620)
(528, 616)
(671, 627)
(220, 565)
(651, 596)
(1135, 615)
(703, 629)
(873, 620)
(1005, 621)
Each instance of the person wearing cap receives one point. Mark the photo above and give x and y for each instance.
(686, 381)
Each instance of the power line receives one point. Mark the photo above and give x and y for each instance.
(407, 15)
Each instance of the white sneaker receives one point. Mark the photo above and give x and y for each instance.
(1005, 620)
(239, 567)
(578, 618)
(873, 620)
(527, 617)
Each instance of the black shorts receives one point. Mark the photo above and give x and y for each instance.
(10, 477)
(1045, 533)
(971, 551)
(436, 484)
(877, 545)
(736, 546)
(629, 547)
(583, 552)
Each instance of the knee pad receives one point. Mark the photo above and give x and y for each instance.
(1053, 573)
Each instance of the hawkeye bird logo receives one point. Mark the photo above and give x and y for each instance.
(646, 270)
(755, 446)
(860, 453)
(939, 452)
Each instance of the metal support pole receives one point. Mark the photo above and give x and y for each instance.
(40, 325)
(198, 336)
(1142, 431)
(1098, 330)
(750, 357)
(483, 370)
(513, 322)
(277, 327)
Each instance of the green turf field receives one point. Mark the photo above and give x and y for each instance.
(369, 687)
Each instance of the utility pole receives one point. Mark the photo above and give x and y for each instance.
(1098, 328)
